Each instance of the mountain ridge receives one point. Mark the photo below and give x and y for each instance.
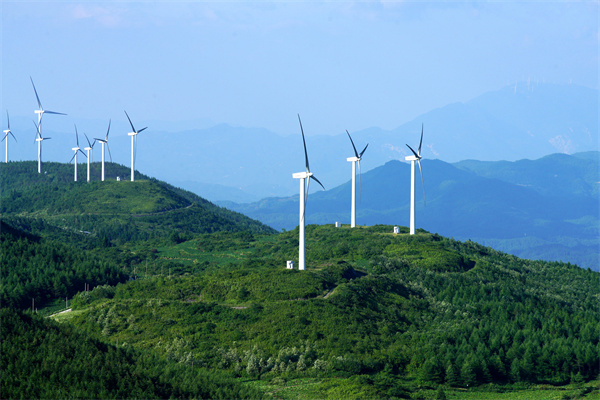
(503, 202)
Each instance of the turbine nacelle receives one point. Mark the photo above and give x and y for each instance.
(353, 159)
(302, 175)
(409, 158)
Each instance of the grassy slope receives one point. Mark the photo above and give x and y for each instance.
(368, 299)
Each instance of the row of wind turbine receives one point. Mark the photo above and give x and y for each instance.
(39, 139)
(305, 178)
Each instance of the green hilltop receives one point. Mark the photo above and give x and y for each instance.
(215, 313)
(112, 211)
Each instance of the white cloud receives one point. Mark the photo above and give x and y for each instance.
(107, 16)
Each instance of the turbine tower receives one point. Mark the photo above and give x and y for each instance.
(89, 149)
(6, 133)
(133, 145)
(105, 143)
(305, 178)
(76, 150)
(415, 157)
(356, 159)
(40, 112)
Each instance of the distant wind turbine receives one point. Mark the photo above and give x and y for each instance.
(39, 139)
(415, 157)
(6, 133)
(90, 154)
(40, 112)
(105, 143)
(76, 150)
(305, 178)
(357, 157)
(133, 144)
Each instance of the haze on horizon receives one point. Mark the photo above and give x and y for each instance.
(340, 64)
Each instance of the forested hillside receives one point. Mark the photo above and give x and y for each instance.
(41, 359)
(165, 306)
(384, 313)
(111, 212)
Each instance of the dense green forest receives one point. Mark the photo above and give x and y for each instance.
(109, 212)
(41, 359)
(375, 315)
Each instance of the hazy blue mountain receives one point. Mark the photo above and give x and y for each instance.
(526, 121)
(546, 208)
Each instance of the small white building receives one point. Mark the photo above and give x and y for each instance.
(396, 230)
(290, 264)
(338, 224)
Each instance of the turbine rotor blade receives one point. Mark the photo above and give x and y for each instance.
(81, 151)
(422, 183)
(36, 94)
(421, 142)
(11, 134)
(304, 142)
(76, 135)
(8, 120)
(360, 181)
(132, 128)
(108, 148)
(305, 198)
(108, 130)
(53, 112)
(141, 130)
(414, 152)
(353, 146)
(315, 178)
(88, 140)
(72, 158)
(363, 152)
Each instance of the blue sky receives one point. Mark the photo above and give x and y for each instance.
(341, 65)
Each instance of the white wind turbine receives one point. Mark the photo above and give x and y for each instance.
(6, 133)
(76, 150)
(415, 157)
(39, 139)
(90, 154)
(133, 144)
(105, 143)
(357, 157)
(40, 113)
(305, 178)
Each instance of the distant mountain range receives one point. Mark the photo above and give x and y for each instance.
(541, 209)
(246, 164)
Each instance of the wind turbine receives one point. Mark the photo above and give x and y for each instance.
(39, 139)
(89, 155)
(305, 178)
(40, 113)
(76, 150)
(415, 157)
(133, 145)
(6, 133)
(357, 157)
(105, 142)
